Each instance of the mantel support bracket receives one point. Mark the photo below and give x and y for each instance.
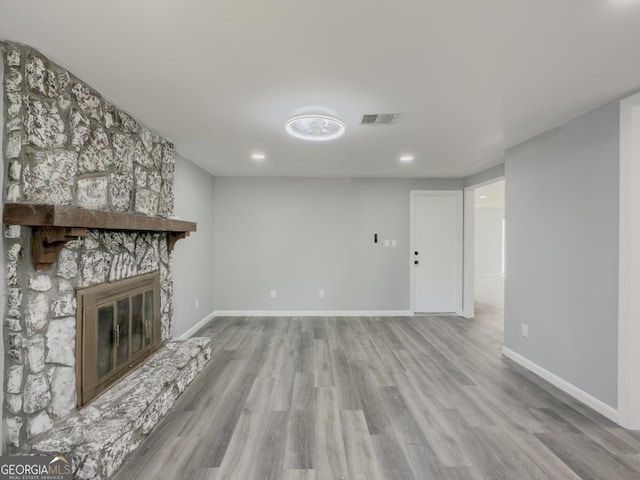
(173, 237)
(47, 242)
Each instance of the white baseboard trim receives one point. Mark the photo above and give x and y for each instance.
(570, 389)
(313, 313)
(189, 333)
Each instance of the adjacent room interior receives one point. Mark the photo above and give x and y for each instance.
(490, 252)
(247, 240)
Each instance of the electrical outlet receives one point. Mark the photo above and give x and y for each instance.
(321, 293)
(197, 303)
(525, 330)
(273, 294)
(387, 243)
(394, 243)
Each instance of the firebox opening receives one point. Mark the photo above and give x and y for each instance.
(118, 326)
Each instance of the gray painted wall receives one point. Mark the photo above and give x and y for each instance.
(193, 257)
(300, 235)
(562, 251)
(488, 241)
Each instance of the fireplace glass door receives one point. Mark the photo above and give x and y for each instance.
(120, 328)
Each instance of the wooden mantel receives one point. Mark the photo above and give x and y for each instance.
(54, 225)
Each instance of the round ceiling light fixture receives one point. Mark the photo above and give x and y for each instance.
(315, 127)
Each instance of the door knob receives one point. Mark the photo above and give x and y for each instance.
(416, 262)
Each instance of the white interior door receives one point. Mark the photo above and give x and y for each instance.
(436, 256)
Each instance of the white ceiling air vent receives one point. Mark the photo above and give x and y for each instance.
(379, 118)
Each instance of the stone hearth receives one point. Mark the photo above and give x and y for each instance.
(101, 435)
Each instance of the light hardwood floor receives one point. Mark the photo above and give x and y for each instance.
(375, 398)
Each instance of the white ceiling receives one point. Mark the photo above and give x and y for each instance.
(220, 77)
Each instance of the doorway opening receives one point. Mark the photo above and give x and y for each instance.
(489, 254)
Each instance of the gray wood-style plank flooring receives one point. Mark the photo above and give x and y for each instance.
(375, 398)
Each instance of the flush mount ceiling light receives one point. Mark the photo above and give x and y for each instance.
(315, 127)
(407, 158)
(258, 156)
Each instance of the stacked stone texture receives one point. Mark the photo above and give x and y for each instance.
(66, 145)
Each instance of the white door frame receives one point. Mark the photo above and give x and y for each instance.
(629, 266)
(468, 289)
(459, 240)
(468, 293)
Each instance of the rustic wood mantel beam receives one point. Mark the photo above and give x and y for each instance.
(54, 225)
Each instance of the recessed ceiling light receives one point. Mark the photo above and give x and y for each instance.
(482, 197)
(258, 156)
(407, 158)
(315, 127)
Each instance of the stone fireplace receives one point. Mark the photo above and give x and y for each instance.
(74, 153)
